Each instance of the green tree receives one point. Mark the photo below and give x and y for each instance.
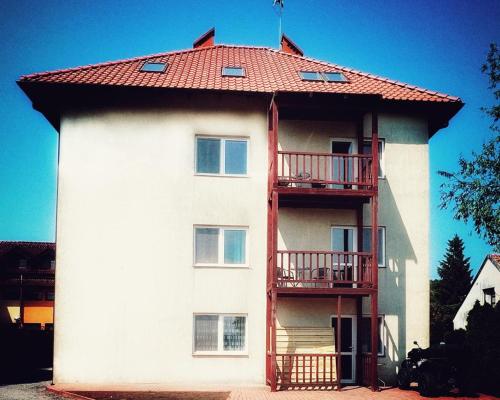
(483, 325)
(474, 191)
(448, 292)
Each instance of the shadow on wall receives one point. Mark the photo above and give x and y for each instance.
(392, 283)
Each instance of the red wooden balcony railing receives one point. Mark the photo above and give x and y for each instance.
(366, 371)
(306, 370)
(324, 170)
(323, 269)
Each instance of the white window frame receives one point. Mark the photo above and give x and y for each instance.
(222, 159)
(220, 336)
(383, 238)
(220, 243)
(381, 171)
(382, 333)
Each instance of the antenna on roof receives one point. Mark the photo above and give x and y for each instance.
(278, 5)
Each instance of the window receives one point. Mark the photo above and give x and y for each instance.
(216, 246)
(489, 296)
(221, 156)
(334, 77)
(219, 333)
(322, 76)
(365, 333)
(233, 71)
(311, 76)
(367, 243)
(49, 295)
(367, 149)
(151, 66)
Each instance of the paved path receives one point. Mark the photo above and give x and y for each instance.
(27, 391)
(37, 391)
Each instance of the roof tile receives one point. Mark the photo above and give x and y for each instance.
(267, 70)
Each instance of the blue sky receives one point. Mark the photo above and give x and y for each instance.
(438, 45)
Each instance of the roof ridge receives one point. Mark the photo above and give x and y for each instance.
(369, 75)
(132, 59)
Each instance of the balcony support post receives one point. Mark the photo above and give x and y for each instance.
(339, 343)
(374, 248)
(272, 240)
(273, 341)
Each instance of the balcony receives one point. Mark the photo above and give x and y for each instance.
(305, 175)
(323, 271)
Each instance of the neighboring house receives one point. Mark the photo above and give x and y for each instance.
(27, 284)
(485, 288)
(220, 216)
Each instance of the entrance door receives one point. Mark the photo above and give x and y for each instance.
(347, 347)
(342, 167)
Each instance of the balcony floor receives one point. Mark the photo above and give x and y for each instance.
(322, 198)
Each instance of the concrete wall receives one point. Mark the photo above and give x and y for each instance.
(126, 288)
(403, 210)
(489, 277)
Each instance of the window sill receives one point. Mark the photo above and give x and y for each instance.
(222, 266)
(220, 354)
(222, 175)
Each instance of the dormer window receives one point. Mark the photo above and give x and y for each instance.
(322, 76)
(152, 66)
(233, 71)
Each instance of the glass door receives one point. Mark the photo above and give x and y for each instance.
(342, 166)
(344, 240)
(347, 347)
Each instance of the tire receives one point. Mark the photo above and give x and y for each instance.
(427, 385)
(404, 379)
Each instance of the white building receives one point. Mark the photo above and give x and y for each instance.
(485, 288)
(215, 217)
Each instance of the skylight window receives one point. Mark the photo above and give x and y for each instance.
(233, 71)
(322, 76)
(151, 66)
(334, 77)
(311, 76)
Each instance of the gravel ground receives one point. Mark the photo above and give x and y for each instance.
(27, 391)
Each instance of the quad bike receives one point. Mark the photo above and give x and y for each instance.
(437, 369)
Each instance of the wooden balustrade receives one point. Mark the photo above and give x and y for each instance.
(312, 370)
(324, 170)
(323, 269)
(366, 370)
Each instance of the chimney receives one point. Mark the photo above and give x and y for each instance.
(288, 46)
(205, 40)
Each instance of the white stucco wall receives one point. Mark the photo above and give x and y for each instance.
(126, 288)
(489, 277)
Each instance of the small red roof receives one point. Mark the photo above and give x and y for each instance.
(495, 258)
(266, 71)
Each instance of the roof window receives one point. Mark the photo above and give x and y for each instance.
(311, 76)
(152, 66)
(233, 71)
(322, 76)
(334, 77)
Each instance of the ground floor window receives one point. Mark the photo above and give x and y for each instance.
(220, 333)
(365, 333)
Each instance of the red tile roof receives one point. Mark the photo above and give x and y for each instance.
(267, 70)
(34, 245)
(495, 258)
